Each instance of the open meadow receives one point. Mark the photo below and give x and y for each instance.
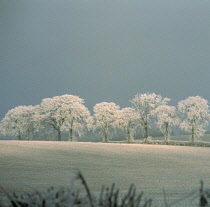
(40, 164)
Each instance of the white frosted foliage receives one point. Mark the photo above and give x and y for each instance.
(19, 122)
(127, 120)
(144, 104)
(65, 112)
(104, 118)
(196, 112)
(166, 118)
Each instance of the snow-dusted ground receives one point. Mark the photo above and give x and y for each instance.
(150, 167)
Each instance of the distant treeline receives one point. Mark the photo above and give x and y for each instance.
(150, 115)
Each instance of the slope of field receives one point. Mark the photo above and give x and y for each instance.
(150, 167)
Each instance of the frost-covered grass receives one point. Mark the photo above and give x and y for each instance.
(40, 164)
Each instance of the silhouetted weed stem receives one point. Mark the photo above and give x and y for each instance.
(80, 176)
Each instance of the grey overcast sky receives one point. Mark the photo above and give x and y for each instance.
(103, 50)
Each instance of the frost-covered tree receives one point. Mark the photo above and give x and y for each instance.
(52, 114)
(196, 112)
(64, 113)
(166, 118)
(104, 118)
(41, 124)
(144, 104)
(19, 122)
(77, 115)
(127, 120)
(32, 123)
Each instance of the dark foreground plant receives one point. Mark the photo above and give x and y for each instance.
(108, 197)
(69, 196)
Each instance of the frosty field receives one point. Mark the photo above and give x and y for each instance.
(41, 164)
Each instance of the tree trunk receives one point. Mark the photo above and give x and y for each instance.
(193, 134)
(166, 133)
(105, 137)
(32, 134)
(59, 134)
(19, 136)
(128, 135)
(28, 135)
(71, 134)
(146, 132)
(44, 134)
(105, 132)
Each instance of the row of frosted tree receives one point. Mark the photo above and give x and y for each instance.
(68, 113)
